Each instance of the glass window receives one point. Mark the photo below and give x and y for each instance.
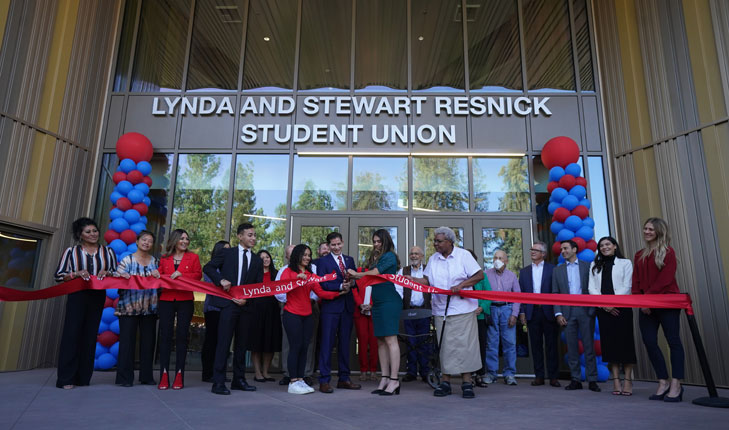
(429, 236)
(313, 235)
(379, 183)
(381, 53)
(161, 43)
(584, 53)
(506, 239)
(121, 80)
(501, 184)
(201, 196)
(320, 183)
(364, 242)
(437, 45)
(19, 254)
(440, 184)
(494, 58)
(598, 198)
(215, 50)
(548, 48)
(260, 197)
(324, 58)
(270, 45)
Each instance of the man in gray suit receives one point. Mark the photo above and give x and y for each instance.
(572, 278)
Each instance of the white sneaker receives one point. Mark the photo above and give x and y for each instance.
(489, 379)
(296, 388)
(510, 380)
(305, 386)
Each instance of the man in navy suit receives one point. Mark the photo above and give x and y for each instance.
(543, 329)
(336, 315)
(234, 266)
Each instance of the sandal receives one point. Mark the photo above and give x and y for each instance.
(380, 390)
(443, 389)
(479, 382)
(620, 391)
(628, 393)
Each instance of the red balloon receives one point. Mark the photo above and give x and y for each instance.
(118, 177)
(581, 211)
(580, 243)
(598, 348)
(581, 181)
(107, 338)
(109, 302)
(591, 244)
(135, 177)
(128, 236)
(110, 236)
(551, 186)
(560, 151)
(560, 214)
(124, 204)
(581, 346)
(147, 180)
(135, 146)
(566, 182)
(556, 248)
(141, 208)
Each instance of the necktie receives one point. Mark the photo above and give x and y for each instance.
(341, 267)
(243, 268)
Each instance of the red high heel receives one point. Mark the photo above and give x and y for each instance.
(177, 385)
(164, 382)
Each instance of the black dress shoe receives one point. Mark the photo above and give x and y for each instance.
(537, 382)
(152, 382)
(555, 382)
(207, 379)
(594, 387)
(242, 385)
(574, 385)
(285, 381)
(409, 378)
(220, 389)
(659, 396)
(259, 379)
(126, 384)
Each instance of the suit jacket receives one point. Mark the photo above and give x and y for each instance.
(189, 267)
(622, 277)
(407, 293)
(225, 266)
(560, 285)
(343, 303)
(527, 286)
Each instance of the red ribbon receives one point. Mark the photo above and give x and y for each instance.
(248, 291)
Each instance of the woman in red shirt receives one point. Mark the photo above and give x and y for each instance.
(178, 262)
(655, 273)
(296, 317)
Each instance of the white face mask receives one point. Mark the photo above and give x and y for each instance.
(498, 264)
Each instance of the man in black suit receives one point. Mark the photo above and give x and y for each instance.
(572, 278)
(234, 266)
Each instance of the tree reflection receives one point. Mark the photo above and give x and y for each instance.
(440, 184)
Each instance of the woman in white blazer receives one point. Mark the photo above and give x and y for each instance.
(611, 273)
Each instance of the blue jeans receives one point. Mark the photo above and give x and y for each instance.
(500, 330)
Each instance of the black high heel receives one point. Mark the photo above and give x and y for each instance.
(660, 396)
(396, 391)
(379, 391)
(674, 399)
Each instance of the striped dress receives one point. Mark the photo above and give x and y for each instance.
(75, 259)
(137, 302)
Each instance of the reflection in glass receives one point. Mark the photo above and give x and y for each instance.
(201, 195)
(429, 235)
(364, 242)
(259, 197)
(437, 45)
(313, 235)
(506, 239)
(270, 45)
(324, 58)
(548, 48)
(501, 184)
(121, 80)
(215, 50)
(381, 53)
(18, 258)
(320, 183)
(598, 198)
(160, 54)
(440, 184)
(494, 59)
(584, 54)
(379, 183)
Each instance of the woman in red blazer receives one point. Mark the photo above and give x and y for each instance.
(178, 262)
(365, 336)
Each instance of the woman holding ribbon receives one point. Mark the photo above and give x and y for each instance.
(386, 308)
(83, 308)
(655, 273)
(179, 262)
(137, 309)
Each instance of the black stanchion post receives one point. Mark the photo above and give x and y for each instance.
(713, 400)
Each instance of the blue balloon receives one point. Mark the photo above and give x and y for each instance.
(585, 203)
(556, 227)
(114, 349)
(144, 167)
(147, 201)
(588, 222)
(563, 336)
(107, 315)
(582, 360)
(135, 196)
(114, 327)
(132, 216)
(115, 195)
(570, 202)
(127, 165)
(102, 327)
(137, 227)
(124, 187)
(112, 293)
(116, 213)
(144, 188)
(553, 207)
(573, 222)
(119, 225)
(582, 373)
(560, 260)
(118, 246)
(143, 220)
(585, 232)
(556, 173)
(578, 191)
(573, 169)
(586, 255)
(602, 373)
(559, 194)
(100, 349)
(132, 248)
(565, 234)
(118, 168)
(105, 361)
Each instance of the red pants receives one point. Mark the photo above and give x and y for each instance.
(366, 338)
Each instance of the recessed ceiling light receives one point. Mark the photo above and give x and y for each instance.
(266, 38)
(421, 38)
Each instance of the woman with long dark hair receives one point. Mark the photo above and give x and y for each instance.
(265, 338)
(212, 317)
(611, 273)
(386, 308)
(178, 262)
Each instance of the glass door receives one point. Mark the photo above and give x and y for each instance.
(313, 230)
(360, 236)
(512, 236)
(425, 232)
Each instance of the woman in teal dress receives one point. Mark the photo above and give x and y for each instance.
(386, 308)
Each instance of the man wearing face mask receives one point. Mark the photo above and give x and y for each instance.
(503, 326)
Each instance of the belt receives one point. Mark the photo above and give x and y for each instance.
(417, 307)
(499, 304)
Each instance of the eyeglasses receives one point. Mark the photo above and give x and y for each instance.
(536, 250)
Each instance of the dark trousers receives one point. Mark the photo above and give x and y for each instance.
(210, 344)
(482, 343)
(543, 336)
(299, 330)
(78, 341)
(333, 325)
(420, 346)
(670, 320)
(128, 325)
(168, 310)
(581, 320)
(234, 320)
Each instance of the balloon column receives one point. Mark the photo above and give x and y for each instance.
(568, 203)
(128, 218)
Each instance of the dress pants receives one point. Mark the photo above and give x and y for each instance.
(236, 320)
(284, 347)
(128, 325)
(311, 349)
(210, 344)
(580, 320)
(78, 341)
(420, 346)
(298, 329)
(482, 344)
(499, 330)
(670, 320)
(167, 311)
(367, 343)
(543, 336)
(335, 325)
